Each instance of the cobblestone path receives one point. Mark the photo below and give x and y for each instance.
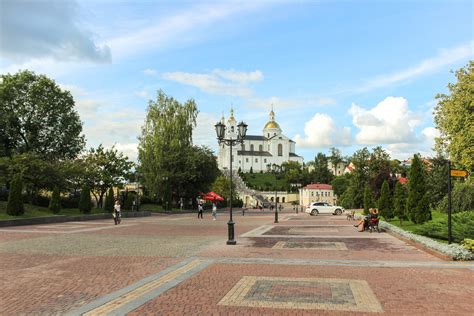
(179, 265)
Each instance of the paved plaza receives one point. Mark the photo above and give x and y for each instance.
(179, 265)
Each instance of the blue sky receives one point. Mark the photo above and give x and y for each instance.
(346, 74)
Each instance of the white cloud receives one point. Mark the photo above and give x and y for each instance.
(388, 122)
(322, 131)
(185, 26)
(129, 149)
(34, 29)
(150, 72)
(444, 58)
(142, 94)
(221, 82)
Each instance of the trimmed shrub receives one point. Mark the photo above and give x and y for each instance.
(109, 201)
(55, 202)
(399, 202)
(385, 202)
(85, 204)
(368, 199)
(462, 227)
(462, 198)
(417, 205)
(15, 200)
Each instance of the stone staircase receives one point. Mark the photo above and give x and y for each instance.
(242, 188)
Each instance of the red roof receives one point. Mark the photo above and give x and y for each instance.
(318, 186)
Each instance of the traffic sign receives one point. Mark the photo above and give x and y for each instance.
(458, 173)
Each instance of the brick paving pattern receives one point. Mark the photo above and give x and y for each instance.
(179, 265)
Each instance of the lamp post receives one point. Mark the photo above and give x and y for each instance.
(274, 167)
(220, 131)
(137, 197)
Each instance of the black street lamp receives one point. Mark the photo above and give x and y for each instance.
(220, 131)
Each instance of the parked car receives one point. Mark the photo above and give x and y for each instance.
(316, 208)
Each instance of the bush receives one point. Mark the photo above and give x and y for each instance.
(40, 200)
(462, 227)
(468, 244)
(15, 200)
(462, 198)
(55, 203)
(70, 202)
(85, 204)
(147, 200)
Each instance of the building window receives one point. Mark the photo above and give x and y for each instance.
(282, 200)
(246, 160)
(265, 160)
(268, 135)
(243, 146)
(260, 147)
(251, 147)
(312, 193)
(274, 134)
(232, 129)
(256, 159)
(240, 162)
(280, 150)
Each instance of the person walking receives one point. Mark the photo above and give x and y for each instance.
(200, 208)
(214, 211)
(116, 214)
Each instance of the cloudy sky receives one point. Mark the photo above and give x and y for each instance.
(343, 73)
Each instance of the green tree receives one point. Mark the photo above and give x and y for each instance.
(106, 168)
(385, 201)
(200, 173)
(437, 180)
(165, 143)
(454, 117)
(85, 204)
(37, 116)
(221, 186)
(399, 202)
(368, 199)
(55, 202)
(321, 173)
(417, 201)
(359, 177)
(110, 201)
(378, 170)
(340, 184)
(462, 197)
(335, 158)
(128, 203)
(15, 201)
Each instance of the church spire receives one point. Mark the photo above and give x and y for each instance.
(231, 118)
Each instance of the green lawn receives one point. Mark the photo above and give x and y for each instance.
(39, 211)
(264, 181)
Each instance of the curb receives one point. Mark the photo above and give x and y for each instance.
(64, 218)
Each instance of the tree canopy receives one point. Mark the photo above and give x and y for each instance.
(454, 117)
(37, 116)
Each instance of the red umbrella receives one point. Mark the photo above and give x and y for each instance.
(212, 196)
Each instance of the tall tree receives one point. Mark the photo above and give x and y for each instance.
(335, 158)
(165, 142)
(321, 173)
(359, 178)
(379, 170)
(417, 207)
(368, 199)
(437, 180)
(454, 117)
(385, 201)
(109, 201)
(106, 168)
(37, 116)
(399, 202)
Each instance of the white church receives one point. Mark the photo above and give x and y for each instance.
(259, 152)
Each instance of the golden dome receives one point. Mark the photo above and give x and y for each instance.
(231, 119)
(271, 124)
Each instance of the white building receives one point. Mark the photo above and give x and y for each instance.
(317, 192)
(258, 152)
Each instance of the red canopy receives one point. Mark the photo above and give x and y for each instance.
(212, 196)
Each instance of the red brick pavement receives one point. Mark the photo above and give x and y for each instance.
(47, 284)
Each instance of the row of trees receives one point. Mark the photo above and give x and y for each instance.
(42, 146)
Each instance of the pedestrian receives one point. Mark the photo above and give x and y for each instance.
(214, 211)
(116, 214)
(200, 207)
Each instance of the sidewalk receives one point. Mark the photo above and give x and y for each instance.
(179, 265)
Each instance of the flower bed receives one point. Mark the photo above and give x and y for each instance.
(455, 251)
